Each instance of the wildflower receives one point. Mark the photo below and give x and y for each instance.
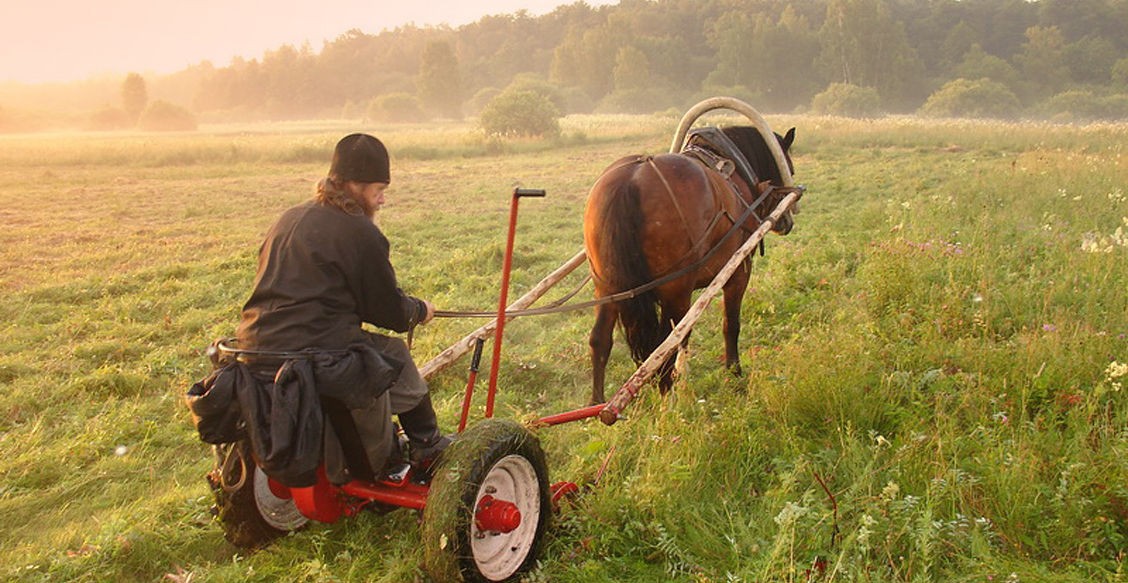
(1049, 328)
(890, 491)
(1113, 373)
(790, 514)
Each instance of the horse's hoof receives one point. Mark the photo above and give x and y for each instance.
(736, 370)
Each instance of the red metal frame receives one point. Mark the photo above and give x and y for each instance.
(569, 416)
(503, 299)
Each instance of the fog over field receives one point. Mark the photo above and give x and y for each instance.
(1045, 59)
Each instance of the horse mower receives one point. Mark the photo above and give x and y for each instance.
(490, 501)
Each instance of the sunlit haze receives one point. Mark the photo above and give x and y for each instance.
(66, 40)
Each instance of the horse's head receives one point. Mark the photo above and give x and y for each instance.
(755, 149)
(786, 222)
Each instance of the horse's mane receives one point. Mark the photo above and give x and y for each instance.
(756, 150)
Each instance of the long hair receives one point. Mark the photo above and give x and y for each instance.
(624, 262)
(330, 191)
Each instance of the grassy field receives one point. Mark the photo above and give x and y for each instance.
(935, 359)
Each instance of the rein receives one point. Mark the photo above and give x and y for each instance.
(559, 307)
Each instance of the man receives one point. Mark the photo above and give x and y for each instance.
(323, 271)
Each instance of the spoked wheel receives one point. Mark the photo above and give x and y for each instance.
(251, 512)
(489, 505)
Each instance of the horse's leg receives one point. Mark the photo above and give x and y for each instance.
(733, 296)
(600, 342)
(673, 310)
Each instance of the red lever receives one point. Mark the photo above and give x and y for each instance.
(495, 515)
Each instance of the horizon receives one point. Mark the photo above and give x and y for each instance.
(163, 37)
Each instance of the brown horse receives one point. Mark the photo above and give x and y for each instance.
(649, 217)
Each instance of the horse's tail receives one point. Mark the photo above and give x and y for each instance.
(625, 267)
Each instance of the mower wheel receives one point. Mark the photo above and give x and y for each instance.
(252, 515)
(489, 505)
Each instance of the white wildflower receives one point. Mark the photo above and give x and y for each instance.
(790, 514)
(1113, 373)
(890, 491)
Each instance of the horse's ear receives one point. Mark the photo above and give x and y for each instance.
(788, 138)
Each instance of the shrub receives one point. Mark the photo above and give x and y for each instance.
(529, 82)
(520, 113)
(162, 116)
(1073, 106)
(395, 107)
(847, 100)
(967, 98)
(481, 99)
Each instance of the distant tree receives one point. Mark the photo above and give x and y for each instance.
(863, 45)
(1090, 59)
(968, 98)
(520, 113)
(977, 64)
(134, 95)
(733, 38)
(632, 69)
(440, 87)
(162, 116)
(581, 60)
(1042, 61)
(792, 49)
(959, 40)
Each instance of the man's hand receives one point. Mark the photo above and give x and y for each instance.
(430, 312)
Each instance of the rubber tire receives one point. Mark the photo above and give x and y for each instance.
(236, 510)
(448, 515)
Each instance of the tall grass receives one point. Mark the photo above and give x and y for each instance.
(934, 359)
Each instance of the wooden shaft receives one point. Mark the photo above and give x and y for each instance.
(458, 349)
(630, 389)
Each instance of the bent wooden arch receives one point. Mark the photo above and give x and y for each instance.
(748, 111)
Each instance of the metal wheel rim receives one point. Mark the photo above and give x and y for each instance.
(279, 513)
(499, 555)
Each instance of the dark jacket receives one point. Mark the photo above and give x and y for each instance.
(282, 416)
(321, 273)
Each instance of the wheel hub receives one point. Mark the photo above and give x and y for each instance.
(496, 516)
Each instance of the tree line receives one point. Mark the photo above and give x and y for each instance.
(835, 56)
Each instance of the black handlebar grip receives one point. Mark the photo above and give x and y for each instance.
(538, 192)
(476, 360)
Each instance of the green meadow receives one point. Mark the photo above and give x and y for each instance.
(935, 360)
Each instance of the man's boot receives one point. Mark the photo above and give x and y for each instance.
(422, 429)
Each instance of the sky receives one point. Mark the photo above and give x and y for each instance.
(71, 40)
